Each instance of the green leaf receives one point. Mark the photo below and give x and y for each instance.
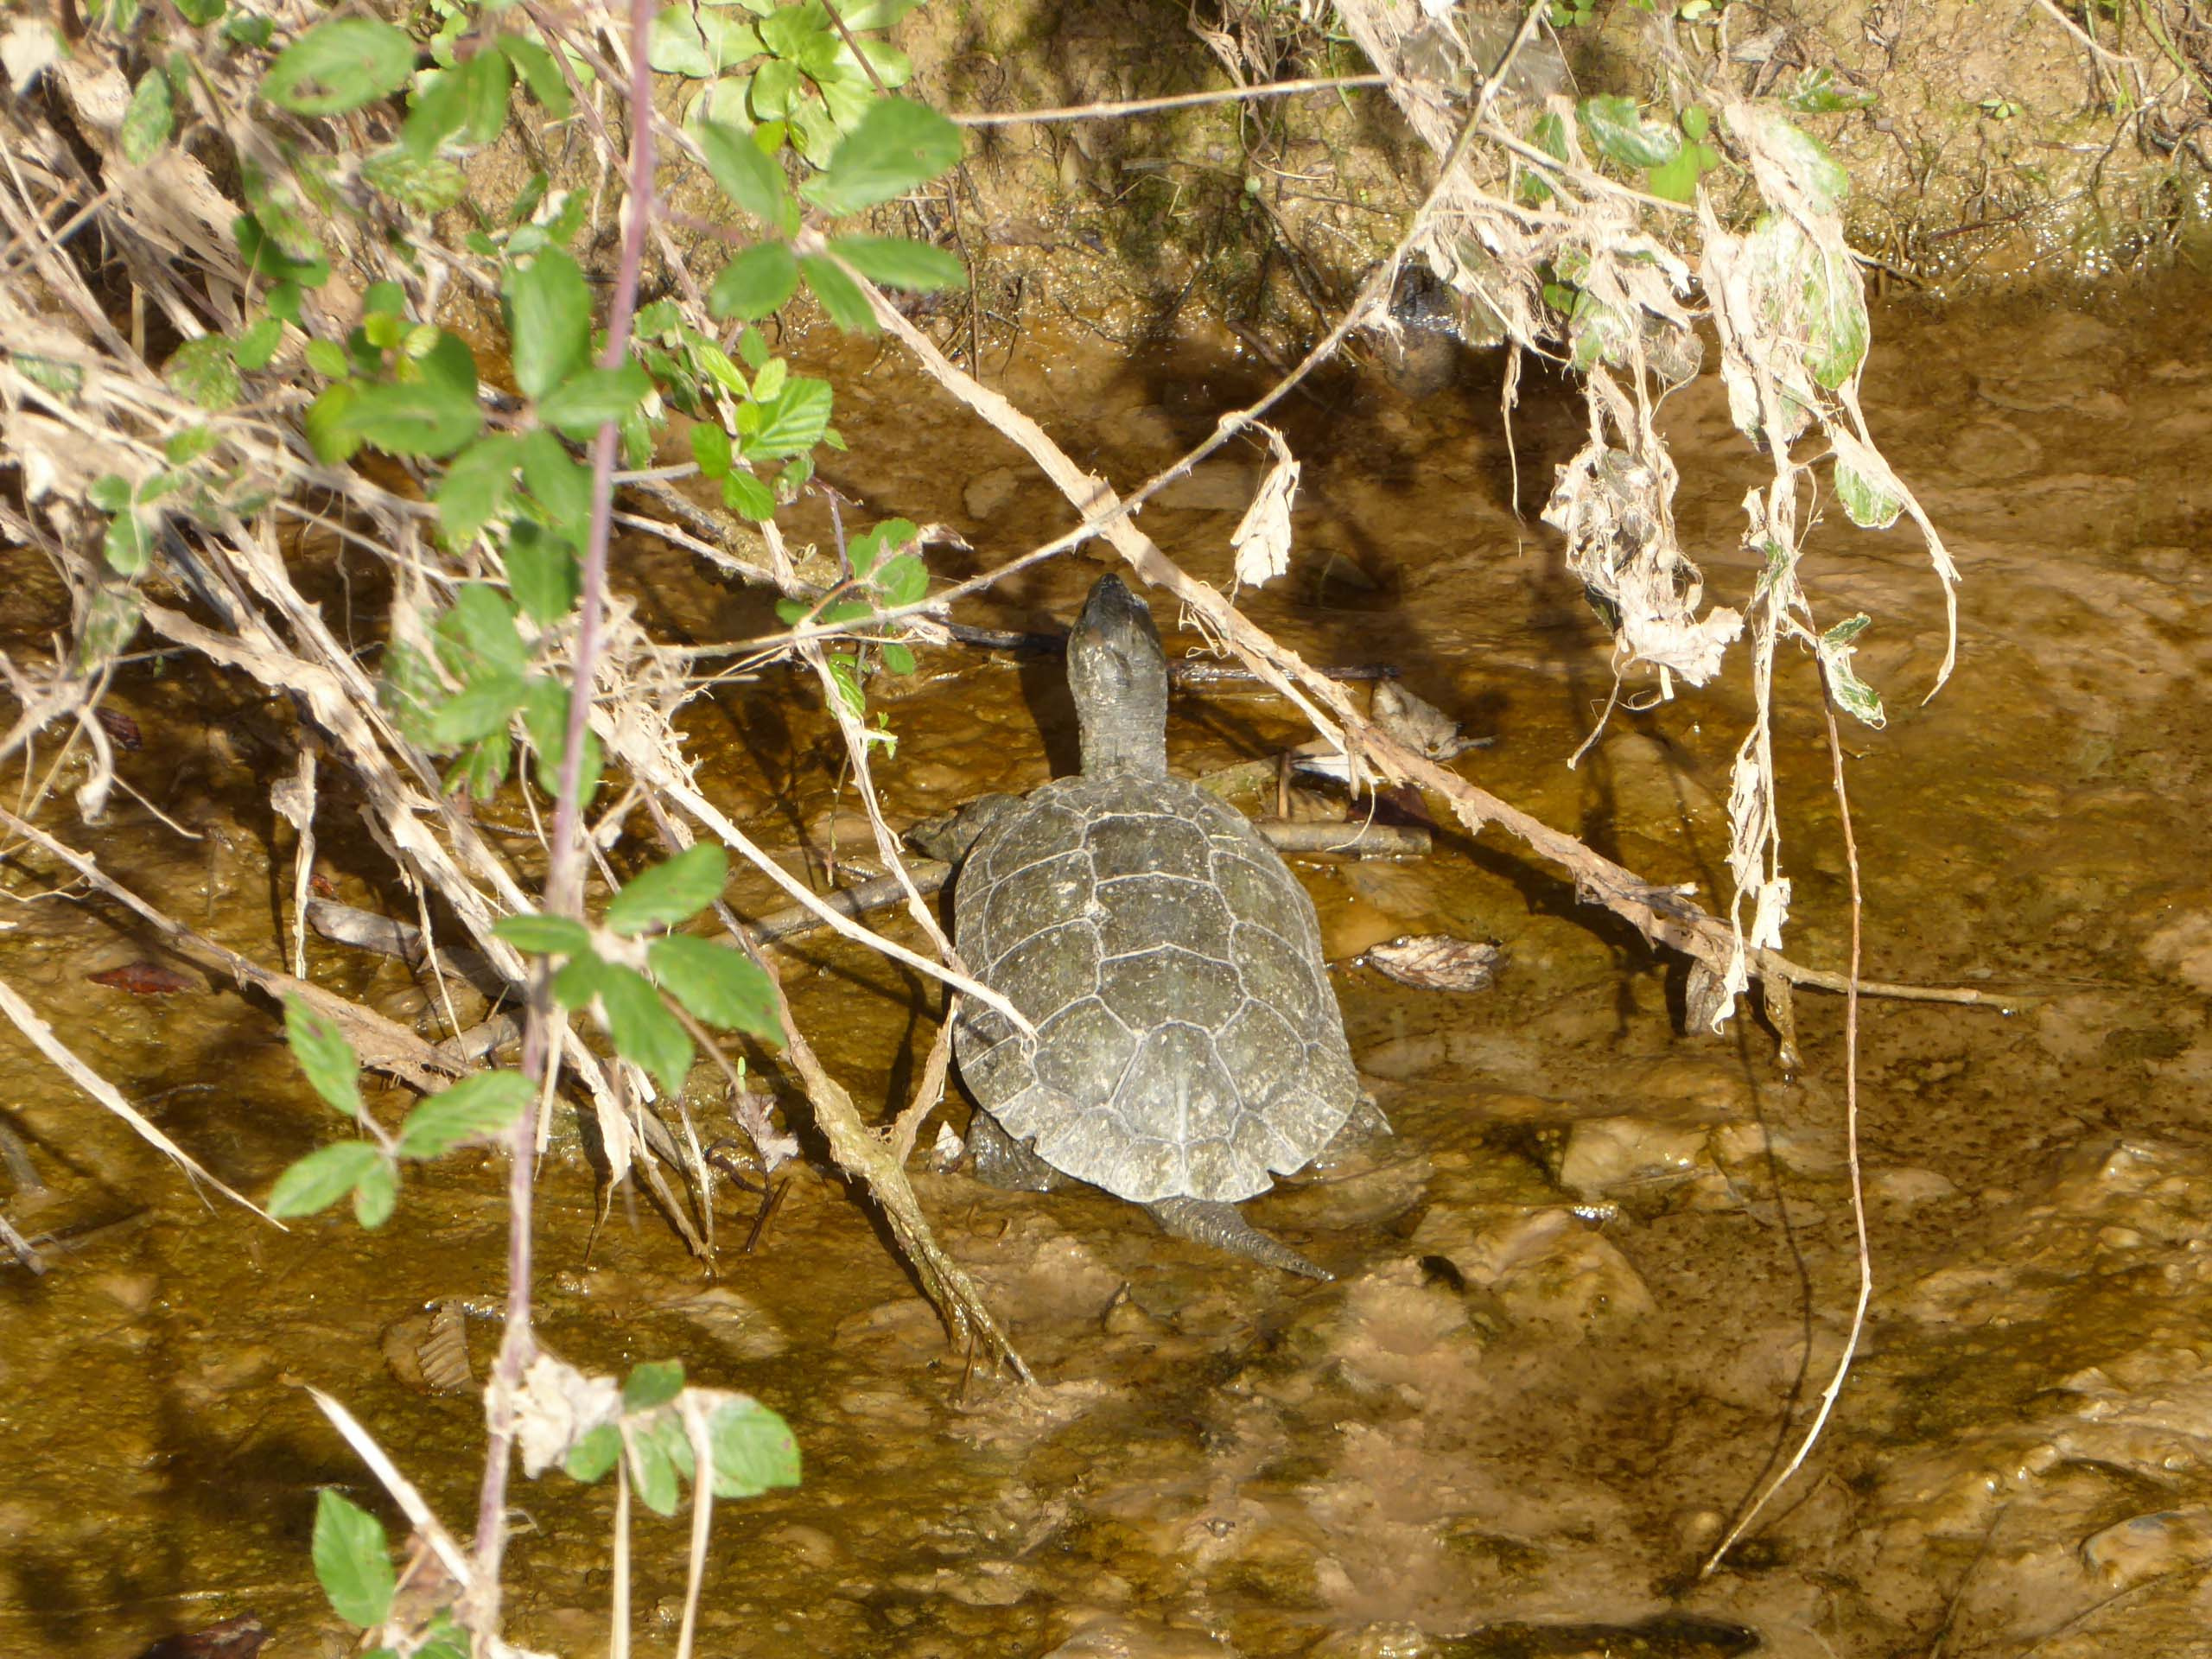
(148, 121)
(478, 709)
(897, 658)
(265, 258)
(326, 423)
(200, 13)
(653, 1472)
(376, 1194)
(561, 482)
(590, 1458)
(127, 546)
(328, 358)
(753, 1448)
(645, 1034)
(542, 573)
(249, 30)
(539, 72)
(589, 398)
(899, 146)
(756, 283)
(752, 349)
(716, 984)
(475, 1108)
(701, 46)
(671, 892)
(204, 371)
(749, 178)
(352, 1559)
(710, 449)
(774, 375)
(257, 344)
(548, 321)
(579, 980)
(182, 449)
(793, 422)
(486, 78)
(744, 494)
(895, 262)
(482, 766)
(340, 65)
(422, 184)
(477, 487)
(535, 934)
(545, 716)
(321, 1178)
(435, 111)
(109, 492)
(841, 296)
(1618, 130)
(904, 580)
(1696, 122)
(412, 417)
(655, 1382)
(332, 1068)
(1808, 159)
(478, 633)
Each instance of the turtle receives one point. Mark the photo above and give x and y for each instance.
(1189, 1047)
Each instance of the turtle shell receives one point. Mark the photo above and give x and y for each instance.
(1188, 1040)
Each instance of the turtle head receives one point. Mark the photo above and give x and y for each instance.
(1118, 676)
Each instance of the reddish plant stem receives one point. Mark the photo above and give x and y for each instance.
(564, 877)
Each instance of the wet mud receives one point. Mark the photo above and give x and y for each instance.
(1587, 1295)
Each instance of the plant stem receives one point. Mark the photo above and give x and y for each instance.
(564, 877)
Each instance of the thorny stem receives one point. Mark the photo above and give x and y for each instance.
(564, 878)
(1834, 1389)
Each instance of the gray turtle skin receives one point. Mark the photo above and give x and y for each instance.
(1189, 1046)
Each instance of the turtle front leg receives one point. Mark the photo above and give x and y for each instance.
(1221, 1225)
(1002, 1162)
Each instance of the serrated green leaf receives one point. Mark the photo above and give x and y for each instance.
(265, 258)
(542, 573)
(896, 262)
(699, 46)
(749, 178)
(710, 449)
(655, 1382)
(899, 146)
(545, 716)
(845, 680)
(579, 980)
(148, 121)
(109, 492)
(435, 110)
(644, 1032)
(183, 449)
(127, 546)
(411, 689)
(744, 494)
(903, 581)
(671, 892)
(478, 709)
(752, 349)
(422, 184)
(839, 295)
(475, 1108)
(410, 417)
(250, 29)
(793, 423)
(476, 634)
(753, 1448)
(1677, 180)
(653, 1470)
(376, 1194)
(539, 72)
(535, 934)
(590, 1458)
(477, 486)
(328, 358)
(204, 371)
(486, 78)
(758, 281)
(200, 13)
(589, 398)
(1618, 130)
(560, 481)
(897, 658)
(340, 65)
(548, 321)
(353, 1561)
(321, 1178)
(481, 769)
(324, 1056)
(716, 984)
(326, 423)
(257, 344)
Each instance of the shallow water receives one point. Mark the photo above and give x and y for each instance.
(1587, 1295)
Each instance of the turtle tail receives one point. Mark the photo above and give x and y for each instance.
(1221, 1225)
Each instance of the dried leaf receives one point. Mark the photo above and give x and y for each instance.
(1437, 961)
(1261, 539)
